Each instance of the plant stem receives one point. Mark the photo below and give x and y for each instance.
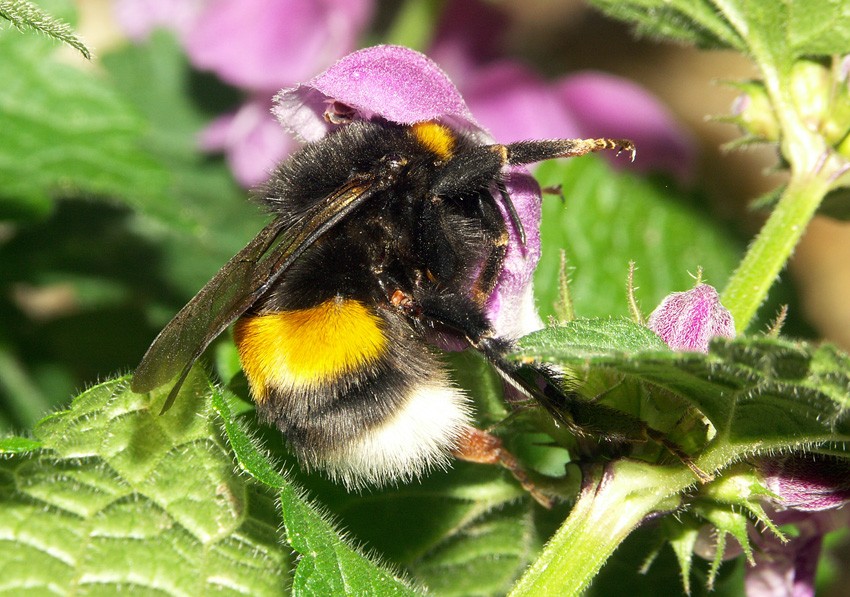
(613, 502)
(771, 249)
(414, 24)
(814, 169)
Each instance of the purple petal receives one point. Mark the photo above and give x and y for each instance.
(397, 83)
(265, 44)
(808, 483)
(609, 106)
(511, 307)
(515, 104)
(689, 320)
(508, 98)
(251, 139)
(789, 568)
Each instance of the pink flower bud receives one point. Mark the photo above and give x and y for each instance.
(688, 320)
(808, 483)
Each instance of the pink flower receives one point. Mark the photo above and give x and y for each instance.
(514, 103)
(251, 139)
(264, 45)
(788, 568)
(604, 105)
(808, 483)
(260, 46)
(688, 320)
(397, 83)
(403, 86)
(810, 493)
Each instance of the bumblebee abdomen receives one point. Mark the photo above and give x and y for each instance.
(308, 348)
(355, 390)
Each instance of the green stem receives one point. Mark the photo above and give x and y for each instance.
(414, 24)
(612, 504)
(771, 249)
(814, 168)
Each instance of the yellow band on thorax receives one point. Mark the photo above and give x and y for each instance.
(436, 137)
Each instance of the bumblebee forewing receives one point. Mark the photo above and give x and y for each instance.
(200, 320)
(237, 286)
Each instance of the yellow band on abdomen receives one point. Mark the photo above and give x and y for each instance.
(308, 347)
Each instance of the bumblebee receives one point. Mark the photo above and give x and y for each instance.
(384, 237)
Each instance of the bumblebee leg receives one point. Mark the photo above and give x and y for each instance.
(476, 445)
(509, 205)
(490, 270)
(529, 152)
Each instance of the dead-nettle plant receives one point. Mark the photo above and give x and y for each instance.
(727, 439)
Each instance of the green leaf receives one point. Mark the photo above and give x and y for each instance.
(484, 556)
(16, 445)
(683, 537)
(25, 15)
(120, 498)
(795, 28)
(694, 21)
(608, 219)
(782, 30)
(66, 132)
(247, 452)
(449, 519)
(761, 394)
(586, 338)
(328, 565)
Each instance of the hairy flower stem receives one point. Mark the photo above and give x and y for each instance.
(614, 501)
(771, 249)
(815, 168)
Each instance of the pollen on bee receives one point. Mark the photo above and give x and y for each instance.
(435, 137)
(307, 347)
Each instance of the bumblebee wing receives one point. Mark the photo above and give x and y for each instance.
(237, 286)
(197, 323)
